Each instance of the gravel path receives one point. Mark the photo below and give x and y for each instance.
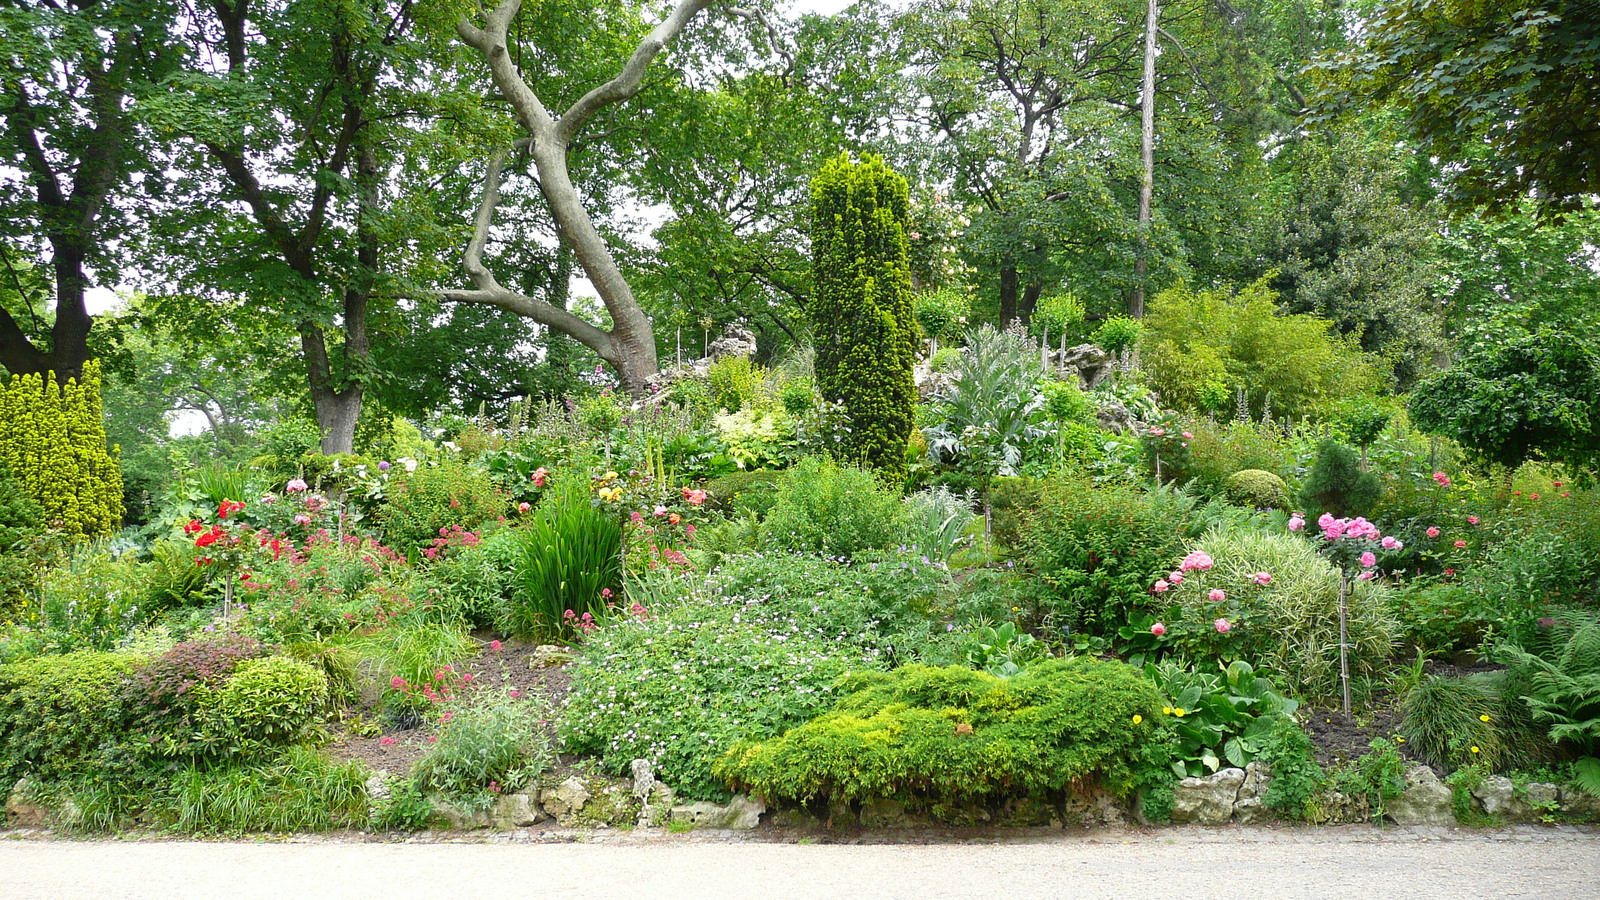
(1232, 863)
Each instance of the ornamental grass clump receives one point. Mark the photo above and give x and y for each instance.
(934, 736)
(496, 746)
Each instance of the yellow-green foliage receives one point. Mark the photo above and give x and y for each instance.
(56, 711)
(954, 735)
(861, 308)
(269, 701)
(54, 440)
(1254, 487)
(1193, 339)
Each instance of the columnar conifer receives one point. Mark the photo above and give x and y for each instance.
(53, 439)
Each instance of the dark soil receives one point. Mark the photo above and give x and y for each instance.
(396, 749)
(1337, 738)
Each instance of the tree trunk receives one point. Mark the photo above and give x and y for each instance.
(1029, 302)
(1008, 293)
(1147, 181)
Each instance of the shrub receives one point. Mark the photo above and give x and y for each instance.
(1296, 777)
(1118, 334)
(267, 702)
(952, 736)
(21, 521)
(755, 438)
(569, 562)
(1192, 339)
(862, 302)
(91, 602)
(1290, 624)
(744, 490)
(53, 438)
(1258, 489)
(942, 313)
(937, 522)
(736, 383)
(1218, 451)
(823, 507)
(1225, 717)
(472, 584)
(493, 746)
(1099, 548)
(421, 504)
(1337, 483)
(163, 698)
(756, 651)
(57, 712)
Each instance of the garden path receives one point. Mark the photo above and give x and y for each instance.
(1232, 863)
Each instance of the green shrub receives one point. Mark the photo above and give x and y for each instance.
(1194, 339)
(1100, 548)
(736, 383)
(569, 557)
(1117, 334)
(420, 505)
(57, 713)
(942, 313)
(1011, 501)
(1258, 489)
(406, 808)
(171, 578)
(21, 521)
(1337, 483)
(493, 746)
(91, 602)
(267, 702)
(756, 650)
(823, 507)
(861, 300)
(416, 652)
(472, 584)
(1289, 625)
(987, 417)
(755, 491)
(1058, 315)
(53, 439)
(1217, 451)
(953, 736)
(163, 700)
(1296, 777)
(937, 522)
(1227, 717)
(1377, 779)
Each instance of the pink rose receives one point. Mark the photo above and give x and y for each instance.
(1223, 627)
(1187, 436)
(524, 506)
(1442, 479)
(1368, 559)
(1160, 586)
(1261, 578)
(1175, 577)
(1297, 522)
(1158, 629)
(660, 511)
(1199, 559)
(1472, 520)
(1460, 544)
(1217, 595)
(1366, 576)
(302, 519)
(1389, 543)
(295, 484)
(1433, 532)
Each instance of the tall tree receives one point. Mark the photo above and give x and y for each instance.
(68, 72)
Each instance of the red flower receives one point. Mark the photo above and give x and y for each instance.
(192, 526)
(207, 539)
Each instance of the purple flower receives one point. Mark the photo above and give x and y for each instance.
(383, 466)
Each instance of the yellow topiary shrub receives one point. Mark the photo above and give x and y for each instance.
(53, 439)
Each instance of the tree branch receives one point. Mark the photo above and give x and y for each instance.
(626, 83)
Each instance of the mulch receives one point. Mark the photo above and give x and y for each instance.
(397, 748)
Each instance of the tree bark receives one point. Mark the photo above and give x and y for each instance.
(1147, 181)
(1008, 293)
(629, 347)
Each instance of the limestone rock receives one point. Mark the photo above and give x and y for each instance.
(741, 813)
(568, 798)
(1092, 364)
(21, 810)
(1498, 797)
(516, 810)
(1114, 417)
(655, 798)
(883, 813)
(1249, 811)
(378, 787)
(736, 340)
(1579, 804)
(547, 655)
(1208, 800)
(459, 819)
(1257, 778)
(1426, 800)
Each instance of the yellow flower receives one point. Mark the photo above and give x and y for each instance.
(1399, 740)
(1474, 749)
(1484, 717)
(609, 476)
(1137, 718)
(1178, 712)
(1166, 710)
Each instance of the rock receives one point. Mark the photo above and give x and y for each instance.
(741, 813)
(930, 383)
(1579, 804)
(1249, 811)
(378, 787)
(883, 813)
(21, 810)
(516, 810)
(736, 340)
(459, 818)
(568, 798)
(1092, 364)
(1257, 778)
(1208, 800)
(1114, 417)
(1426, 800)
(1498, 797)
(655, 798)
(547, 655)
(1541, 798)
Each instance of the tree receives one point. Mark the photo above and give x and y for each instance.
(629, 345)
(68, 74)
(862, 304)
(1532, 396)
(1506, 91)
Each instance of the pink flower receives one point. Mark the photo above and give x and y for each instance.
(660, 511)
(1368, 559)
(494, 646)
(1261, 578)
(1460, 544)
(302, 519)
(1222, 626)
(1175, 577)
(433, 738)
(1217, 595)
(1158, 629)
(1161, 586)
(1187, 436)
(1441, 479)
(397, 683)
(1199, 559)
(1472, 520)
(446, 716)
(1433, 532)
(1533, 496)
(524, 506)
(694, 496)
(515, 693)
(1157, 432)
(1366, 576)
(295, 484)
(1390, 543)
(540, 476)
(387, 742)
(1297, 522)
